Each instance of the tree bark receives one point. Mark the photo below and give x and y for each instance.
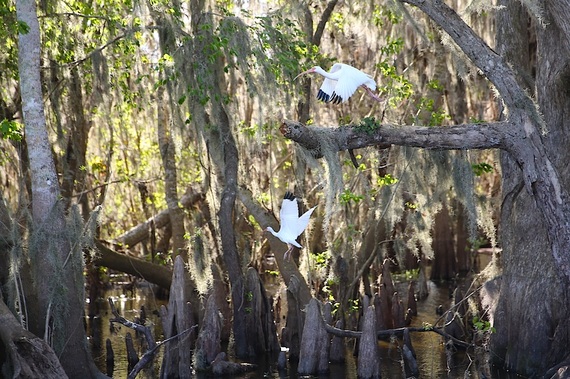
(27, 356)
(178, 317)
(531, 313)
(315, 344)
(368, 352)
(167, 148)
(175, 212)
(56, 267)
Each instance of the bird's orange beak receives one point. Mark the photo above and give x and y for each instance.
(304, 73)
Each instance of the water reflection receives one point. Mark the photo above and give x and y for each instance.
(128, 305)
(429, 348)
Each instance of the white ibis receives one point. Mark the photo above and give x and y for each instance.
(341, 82)
(291, 224)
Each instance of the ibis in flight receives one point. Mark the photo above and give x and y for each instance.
(341, 82)
(291, 224)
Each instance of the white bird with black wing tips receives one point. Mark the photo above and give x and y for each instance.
(341, 82)
(291, 224)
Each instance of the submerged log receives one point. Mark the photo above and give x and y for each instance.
(314, 353)
(221, 366)
(178, 316)
(368, 366)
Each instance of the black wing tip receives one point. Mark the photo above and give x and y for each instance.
(323, 96)
(335, 99)
(289, 196)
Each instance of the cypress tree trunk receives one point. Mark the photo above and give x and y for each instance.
(57, 273)
(531, 318)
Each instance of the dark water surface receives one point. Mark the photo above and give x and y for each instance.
(429, 347)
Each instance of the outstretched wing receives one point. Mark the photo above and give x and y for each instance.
(326, 90)
(289, 214)
(304, 221)
(349, 81)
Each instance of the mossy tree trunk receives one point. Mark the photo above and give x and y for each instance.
(164, 101)
(56, 267)
(531, 317)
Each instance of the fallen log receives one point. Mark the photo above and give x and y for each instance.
(151, 272)
(141, 232)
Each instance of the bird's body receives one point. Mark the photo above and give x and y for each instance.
(291, 225)
(341, 82)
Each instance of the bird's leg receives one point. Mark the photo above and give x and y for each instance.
(372, 94)
(287, 255)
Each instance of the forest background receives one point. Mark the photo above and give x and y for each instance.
(181, 107)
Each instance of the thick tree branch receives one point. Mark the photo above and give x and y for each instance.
(148, 271)
(486, 59)
(458, 137)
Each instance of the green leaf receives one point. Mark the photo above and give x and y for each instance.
(481, 168)
(11, 130)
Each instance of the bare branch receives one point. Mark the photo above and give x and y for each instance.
(323, 22)
(389, 332)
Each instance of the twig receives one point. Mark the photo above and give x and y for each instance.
(388, 332)
(133, 325)
(152, 346)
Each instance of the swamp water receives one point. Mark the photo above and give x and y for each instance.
(429, 348)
